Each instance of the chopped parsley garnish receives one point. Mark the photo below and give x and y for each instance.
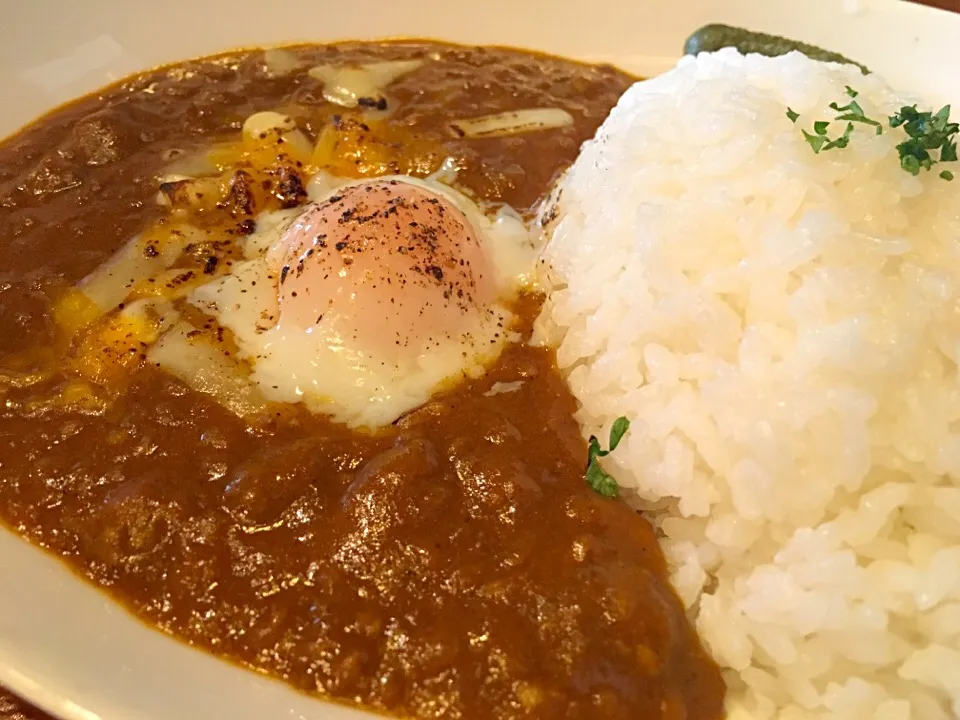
(926, 132)
(854, 113)
(842, 141)
(816, 141)
(821, 143)
(597, 478)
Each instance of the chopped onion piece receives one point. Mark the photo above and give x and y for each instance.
(447, 173)
(268, 126)
(499, 388)
(186, 192)
(347, 85)
(322, 184)
(172, 177)
(167, 183)
(513, 122)
(280, 62)
(206, 369)
(299, 142)
(260, 124)
(192, 164)
(109, 284)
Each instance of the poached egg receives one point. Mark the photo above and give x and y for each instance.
(373, 296)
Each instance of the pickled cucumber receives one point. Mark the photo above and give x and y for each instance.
(713, 37)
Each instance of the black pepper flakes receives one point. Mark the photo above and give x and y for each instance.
(289, 189)
(239, 199)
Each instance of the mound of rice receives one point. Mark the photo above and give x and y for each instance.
(783, 330)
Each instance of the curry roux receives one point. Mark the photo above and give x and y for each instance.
(455, 565)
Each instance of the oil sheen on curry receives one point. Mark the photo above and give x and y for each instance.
(265, 379)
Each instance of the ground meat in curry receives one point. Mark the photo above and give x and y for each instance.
(455, 565)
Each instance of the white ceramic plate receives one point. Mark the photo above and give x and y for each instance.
(63, 645)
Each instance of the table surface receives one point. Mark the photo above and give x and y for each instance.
(12, 708)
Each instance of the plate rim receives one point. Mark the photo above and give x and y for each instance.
(31, 677)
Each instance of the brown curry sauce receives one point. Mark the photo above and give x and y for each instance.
(454, 565)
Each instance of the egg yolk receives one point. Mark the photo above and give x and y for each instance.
(386, 267)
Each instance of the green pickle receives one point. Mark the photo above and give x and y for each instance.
(711, 38)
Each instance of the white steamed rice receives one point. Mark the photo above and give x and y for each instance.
(783, 330)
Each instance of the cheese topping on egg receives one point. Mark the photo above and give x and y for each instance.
(373, 297)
